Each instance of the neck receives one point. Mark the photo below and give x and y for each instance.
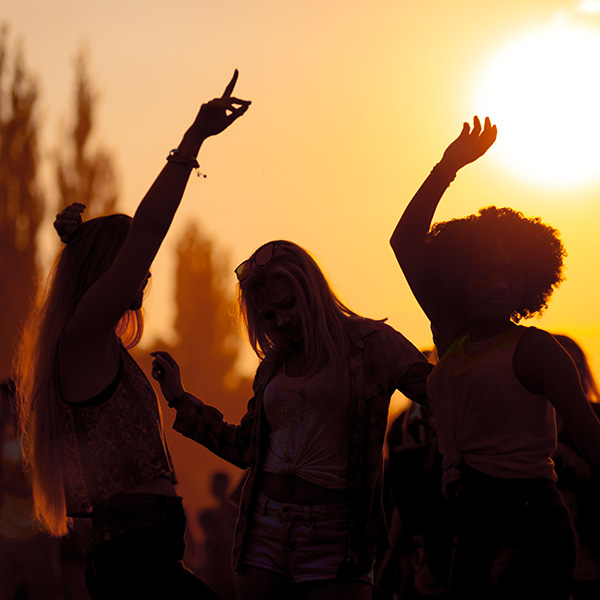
(482, 331)
(296, 364)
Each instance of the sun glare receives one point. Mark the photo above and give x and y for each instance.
(543, 92)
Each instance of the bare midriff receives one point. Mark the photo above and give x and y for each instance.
(161, 486)
(295, 490)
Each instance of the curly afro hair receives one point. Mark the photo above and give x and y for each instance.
(531, 245)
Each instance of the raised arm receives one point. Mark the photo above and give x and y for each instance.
(106, 301)
(408, 239)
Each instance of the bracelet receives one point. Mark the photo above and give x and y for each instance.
(176, 157)
(443, 171)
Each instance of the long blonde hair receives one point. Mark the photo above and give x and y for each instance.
(78, 265)
(325, 318)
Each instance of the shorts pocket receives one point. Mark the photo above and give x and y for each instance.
(330, 530)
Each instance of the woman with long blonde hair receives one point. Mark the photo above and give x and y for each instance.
(310, 515)
(94, 439)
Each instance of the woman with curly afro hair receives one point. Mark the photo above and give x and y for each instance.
(497, 384)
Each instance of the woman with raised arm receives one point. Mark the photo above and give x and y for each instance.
(94, 438)
(310, 512)
(495, 388)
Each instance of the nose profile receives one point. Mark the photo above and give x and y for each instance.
(282, 320)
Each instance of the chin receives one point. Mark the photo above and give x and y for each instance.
(135, 305)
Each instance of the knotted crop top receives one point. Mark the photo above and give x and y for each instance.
(485, 416)
(309, 421)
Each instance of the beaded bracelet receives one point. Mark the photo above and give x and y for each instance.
(176, 157)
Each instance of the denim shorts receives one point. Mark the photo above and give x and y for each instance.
(304, 543)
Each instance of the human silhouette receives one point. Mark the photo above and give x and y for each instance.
(495, 388)
(417, 565)
(218, 525)
(312, 438)
(29, 559)
(579, 489)
(94, 438)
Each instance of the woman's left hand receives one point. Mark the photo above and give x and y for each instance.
(166, 371)
(218, 114)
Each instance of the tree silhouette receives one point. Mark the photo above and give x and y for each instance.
(207, 350)
(21, 198)
(82, 174)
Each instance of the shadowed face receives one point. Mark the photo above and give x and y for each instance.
(496, 287)
(139, 298)
(277, 306)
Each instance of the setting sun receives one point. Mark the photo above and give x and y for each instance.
(543, 92)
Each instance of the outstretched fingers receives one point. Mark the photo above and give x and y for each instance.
(484, 136)
(490, 132)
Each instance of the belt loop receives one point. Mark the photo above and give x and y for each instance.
(308, 513)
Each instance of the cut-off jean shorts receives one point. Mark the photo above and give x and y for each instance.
(303, 543)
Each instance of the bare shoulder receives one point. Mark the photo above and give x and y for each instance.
(538, 345)
(86, 365)
(539, 360)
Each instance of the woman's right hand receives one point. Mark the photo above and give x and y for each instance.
(470, 145)
(218, 114)
(166, 371)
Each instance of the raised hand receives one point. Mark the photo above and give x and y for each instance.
(166, 371)
(470, 144)
(218, 114)
(68, 220)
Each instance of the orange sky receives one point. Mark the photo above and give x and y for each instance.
(353, 103)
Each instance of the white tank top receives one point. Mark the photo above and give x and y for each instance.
(309, 421)
(484, 415)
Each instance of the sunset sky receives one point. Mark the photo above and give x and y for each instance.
(352, 105)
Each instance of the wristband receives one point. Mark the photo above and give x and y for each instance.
(176, 157)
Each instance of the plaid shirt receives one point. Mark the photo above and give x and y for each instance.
(381, 361)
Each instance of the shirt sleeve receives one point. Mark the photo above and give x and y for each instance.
(206, 425)
(405, 365)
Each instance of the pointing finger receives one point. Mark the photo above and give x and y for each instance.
(230, 85)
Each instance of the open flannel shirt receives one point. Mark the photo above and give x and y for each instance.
(381, 361)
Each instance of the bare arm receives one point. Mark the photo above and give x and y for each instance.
(106, 301)
(545, 368)
(408, 239)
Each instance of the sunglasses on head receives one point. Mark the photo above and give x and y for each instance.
(260, 258)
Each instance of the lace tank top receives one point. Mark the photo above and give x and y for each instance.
(114, 441)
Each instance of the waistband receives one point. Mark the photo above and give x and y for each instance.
(474, 484)
(301, 512)
(128, 513)
(123, 503)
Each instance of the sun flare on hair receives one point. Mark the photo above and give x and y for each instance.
(543, 91)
